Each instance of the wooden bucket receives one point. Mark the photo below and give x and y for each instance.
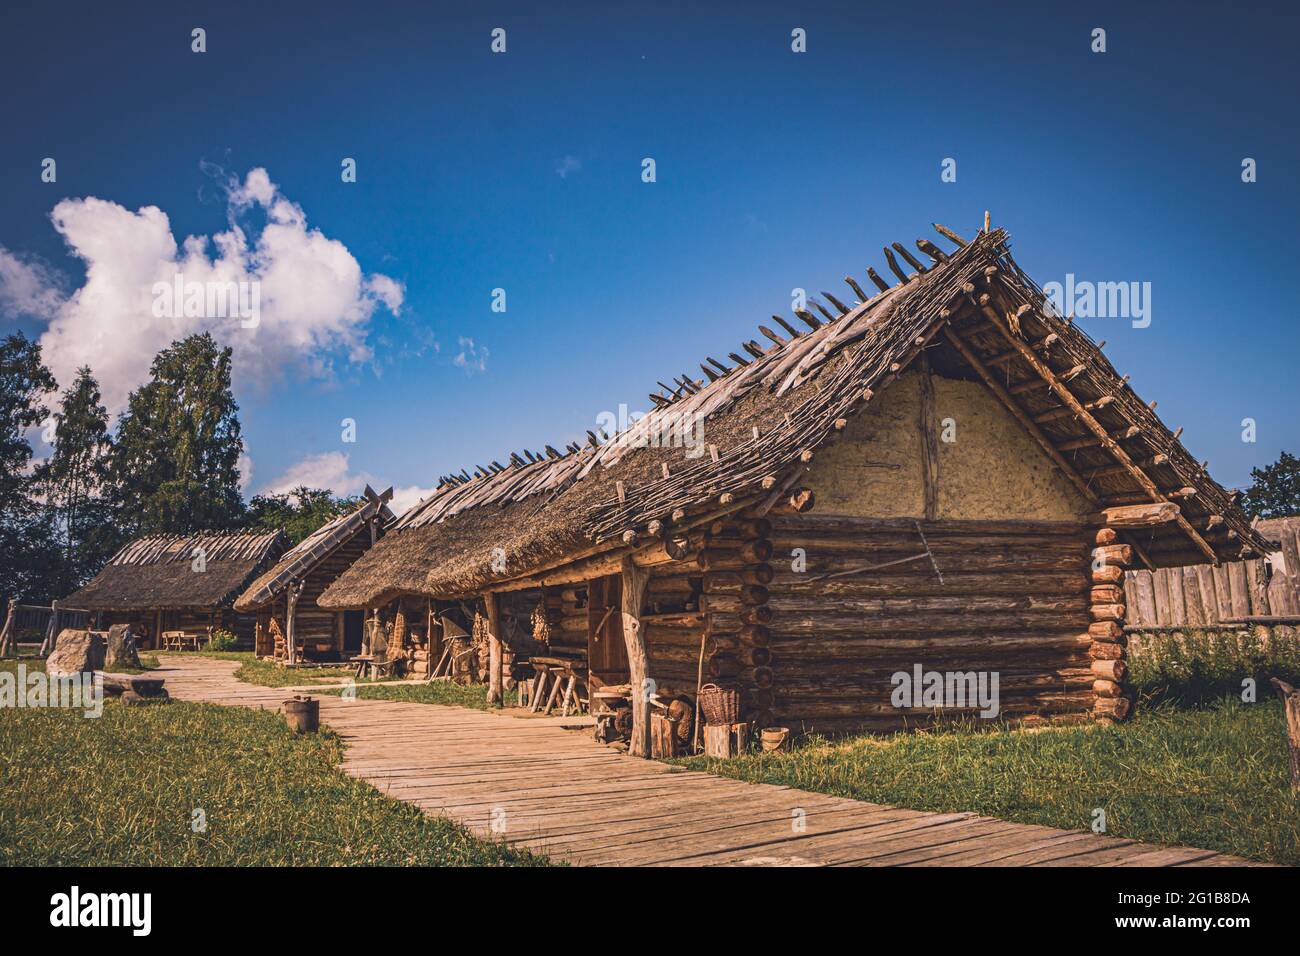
(774, 738)
(302, 714)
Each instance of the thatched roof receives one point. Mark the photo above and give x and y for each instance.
(767, 411)
(158, 571)
(313, 549)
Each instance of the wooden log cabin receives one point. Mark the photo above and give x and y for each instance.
(943, 473)
(179, 583)
(290, 625)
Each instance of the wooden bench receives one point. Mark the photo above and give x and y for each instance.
(558, 681)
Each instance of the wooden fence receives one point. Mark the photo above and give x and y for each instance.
(1208, 596)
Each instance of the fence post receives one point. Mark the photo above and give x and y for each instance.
(7, 637)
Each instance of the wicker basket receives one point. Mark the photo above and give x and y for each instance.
(720, 705)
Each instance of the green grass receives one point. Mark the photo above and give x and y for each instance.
(1216, 777)
(123, 790)
(439, 692)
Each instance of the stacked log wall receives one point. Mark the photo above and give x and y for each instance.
(1014, 598)
(737, 577)
(1109, 647)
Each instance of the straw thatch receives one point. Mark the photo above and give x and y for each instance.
(159, 571)
(308, 553)
(765, 414)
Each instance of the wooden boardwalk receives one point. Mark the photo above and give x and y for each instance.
(545, 784)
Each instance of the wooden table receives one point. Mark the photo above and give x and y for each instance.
(180, 641)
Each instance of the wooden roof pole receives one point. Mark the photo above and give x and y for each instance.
(1096, 428)
(1001, 393)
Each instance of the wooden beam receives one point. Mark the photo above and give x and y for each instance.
(634, 581)
(1033, 385)
(1001, 393)
(1124, 434)
(1110, 471)
(1057, 413)
(1139, 516)
(1065, 395)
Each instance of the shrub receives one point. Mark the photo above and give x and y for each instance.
(223, 640)
(1196, 666)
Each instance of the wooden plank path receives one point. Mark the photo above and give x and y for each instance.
(557, 791)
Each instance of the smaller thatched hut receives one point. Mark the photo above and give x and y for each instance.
(185, 582)
(290, 626)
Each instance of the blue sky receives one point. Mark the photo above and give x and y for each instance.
(775, 170)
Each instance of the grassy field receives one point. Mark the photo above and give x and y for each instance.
(440, 692)
(1214, 777)
(125, 789)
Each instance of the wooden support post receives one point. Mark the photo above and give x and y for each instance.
(432, 646)
(634, 587)
(7, 637)
(51, 630)
(496, 696)
(1291, 702)
(290, 613)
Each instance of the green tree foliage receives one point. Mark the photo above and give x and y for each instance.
(1276, 489)
(175, 465)
(26, 556)
(299, 512)
(74, 481)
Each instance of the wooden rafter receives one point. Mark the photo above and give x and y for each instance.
(1098, 429)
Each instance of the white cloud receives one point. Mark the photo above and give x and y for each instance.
(315, 301)
(28, 288)
(471, 358)
(408, 497)
(332, 470)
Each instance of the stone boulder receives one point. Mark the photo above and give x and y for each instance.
(120, 649)
(76, 652)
